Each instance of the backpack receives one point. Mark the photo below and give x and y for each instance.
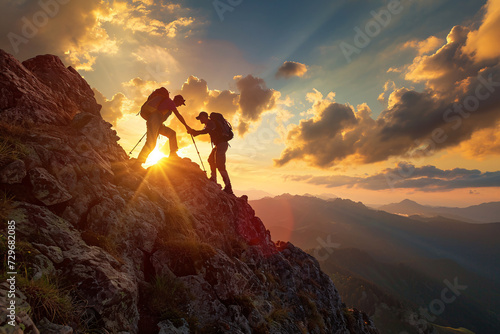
(154, 100)
(223, 128)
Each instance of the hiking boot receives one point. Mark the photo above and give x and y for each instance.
(228, 190)
(213, 179)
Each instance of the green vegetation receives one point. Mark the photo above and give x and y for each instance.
(11, 143)
(48, 298)
(6, 204)
(25, 253)
(279, 313)
(168, 298)
(315, 320)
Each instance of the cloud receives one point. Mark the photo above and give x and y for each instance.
(407, 176)
(482, 144)
(160, 64)
(71, 30)
(449, 65)
(225, 101)
(461, 98)
(242, 108)
(389, 86)
(423, 47)
(111, 109)
(80, 31)
(483, 43)
(290, 69)
(255, 99)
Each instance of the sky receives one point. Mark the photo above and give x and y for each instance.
(371, 100)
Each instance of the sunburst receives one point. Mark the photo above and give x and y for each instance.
(155, 156)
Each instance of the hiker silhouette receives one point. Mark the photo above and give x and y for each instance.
(156, 110)
(219, 135)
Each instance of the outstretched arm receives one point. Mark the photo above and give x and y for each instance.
(179, 116)
(207, 129)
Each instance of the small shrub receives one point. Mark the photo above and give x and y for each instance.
(167, 298)
(279, 315)
(25, 253)
(11, 149)
(187, 255)
(314, 318)
(178, 223)
(47, 299)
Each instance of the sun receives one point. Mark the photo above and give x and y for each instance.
(154, 157)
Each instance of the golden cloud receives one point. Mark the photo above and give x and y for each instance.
(80, 31)
(423, 47)
(483, 42)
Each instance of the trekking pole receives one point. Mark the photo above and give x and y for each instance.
(137, 144)
(198, 153)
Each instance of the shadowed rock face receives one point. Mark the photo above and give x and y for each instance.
(113, 233)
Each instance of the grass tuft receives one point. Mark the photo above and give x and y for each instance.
(168, 299)
(48, 299)
(6, 205)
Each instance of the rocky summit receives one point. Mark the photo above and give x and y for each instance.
(103, 247)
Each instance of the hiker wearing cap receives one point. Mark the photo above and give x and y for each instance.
(217, 158)
(158, 111)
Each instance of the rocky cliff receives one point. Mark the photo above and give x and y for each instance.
(104, 248)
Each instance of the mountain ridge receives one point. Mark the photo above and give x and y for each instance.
(488, 212)
(123, 250)
(409, 257)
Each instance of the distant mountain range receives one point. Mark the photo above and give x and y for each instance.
(391, 264)
(253, 194)
(482, 213)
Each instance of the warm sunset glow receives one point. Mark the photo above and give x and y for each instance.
(317, 106)
(154, 157)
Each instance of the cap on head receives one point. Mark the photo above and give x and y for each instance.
(180, 99)
(202, 114)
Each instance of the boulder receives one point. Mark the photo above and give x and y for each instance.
(47, 188)
(13, 172)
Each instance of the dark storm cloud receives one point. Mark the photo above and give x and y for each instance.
(407, 176)
(462, 96)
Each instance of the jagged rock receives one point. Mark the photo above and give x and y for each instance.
(42, 90)
(108, 286)
(13, 172)
(47, 327)
(113, 232)
(167, 327)
(46, 188)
